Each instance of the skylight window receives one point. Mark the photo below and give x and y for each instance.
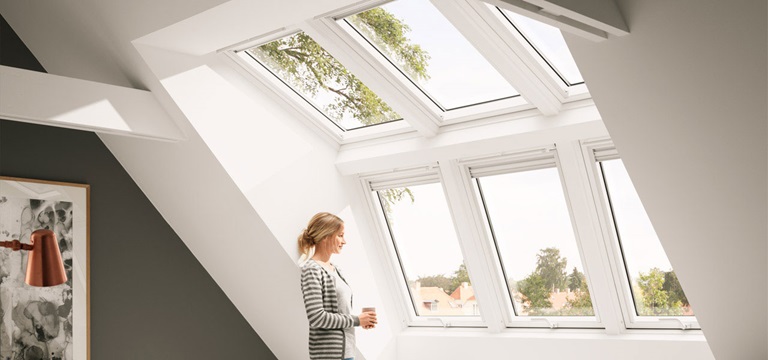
(547, 42)
(417, 39)
(530, 223)
(310, 71)
(654, 285)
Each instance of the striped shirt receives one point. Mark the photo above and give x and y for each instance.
(326, 324)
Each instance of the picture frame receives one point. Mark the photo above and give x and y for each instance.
(45, 322)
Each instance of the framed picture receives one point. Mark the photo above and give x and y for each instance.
(51, 323)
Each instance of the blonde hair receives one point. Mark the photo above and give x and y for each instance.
(319, 228)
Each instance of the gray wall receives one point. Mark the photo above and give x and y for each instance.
(150, 297)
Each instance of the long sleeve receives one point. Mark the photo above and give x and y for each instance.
(312, 287)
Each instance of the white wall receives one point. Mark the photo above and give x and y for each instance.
(684, 99)
(282, 168)
(469, 345)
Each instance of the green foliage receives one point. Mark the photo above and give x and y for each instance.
(674, 289)
(551, 267)
(309, 68)
(391, 196)
(548, 275)
(576, 280)
(459, 276)
(535, 293)
(448, 284)
(579, 302)
(655, 301)
(651, 285)
(440, 281)
(303, 63)
(389, 35)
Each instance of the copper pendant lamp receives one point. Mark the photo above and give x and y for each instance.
(44, 264)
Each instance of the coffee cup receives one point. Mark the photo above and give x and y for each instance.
(369, 309)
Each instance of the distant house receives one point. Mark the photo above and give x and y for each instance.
(464, 296)
(559, 298)
(432, 300)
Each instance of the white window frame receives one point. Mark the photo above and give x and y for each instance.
(428, 174)
(413, 91)
(312, 116)
(608, 282)
(539, 158)
(566, 91)
(537, 83)
(613, 251)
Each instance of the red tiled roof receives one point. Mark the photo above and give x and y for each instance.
(463, 292)
(428, 293)
(431, 300)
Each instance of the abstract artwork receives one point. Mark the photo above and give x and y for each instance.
(48, 323)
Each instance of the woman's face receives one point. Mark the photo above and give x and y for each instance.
(337, 241)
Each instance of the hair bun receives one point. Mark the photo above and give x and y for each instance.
(307, 238)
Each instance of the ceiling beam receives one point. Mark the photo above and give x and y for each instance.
(52, 100)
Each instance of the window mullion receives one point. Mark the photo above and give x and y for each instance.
(477, 252)
(337, 42)
(607, 231)
(589, 236)
(505, 53)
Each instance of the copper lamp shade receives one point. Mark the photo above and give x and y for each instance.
(44, 264)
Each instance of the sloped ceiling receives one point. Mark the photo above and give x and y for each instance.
(689, 79)
(684, 99)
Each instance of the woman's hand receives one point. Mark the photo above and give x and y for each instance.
(368, 320)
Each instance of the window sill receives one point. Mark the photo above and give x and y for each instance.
(563, 333)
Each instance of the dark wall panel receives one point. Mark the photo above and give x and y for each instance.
(150, 297)
(13, 52)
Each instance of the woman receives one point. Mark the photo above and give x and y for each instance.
(327, 296)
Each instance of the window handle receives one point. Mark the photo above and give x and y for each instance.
(443, 323)
(552, 324)
(683, 325)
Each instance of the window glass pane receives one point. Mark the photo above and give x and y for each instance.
(532, 227)
(320, 79)
(655, 288)
(424, 45)
(421, 227)
(549, 44)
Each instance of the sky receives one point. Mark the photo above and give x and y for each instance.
(459, 75)
(642, 247)
(550, 42)
(424, 233)
(529, 213)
